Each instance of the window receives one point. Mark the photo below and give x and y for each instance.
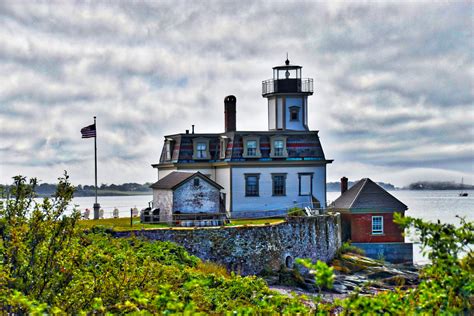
(377, 225)
(279, 184)
(278, 146)
(251, 184)
(196, 182)
(305, 183)
(294, 113)
(252, 148)
(201, 150)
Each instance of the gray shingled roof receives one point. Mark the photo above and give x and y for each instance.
(175, 178)
(300, 144)
(367, 194)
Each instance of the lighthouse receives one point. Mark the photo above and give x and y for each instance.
(287, 93)
(262, 173)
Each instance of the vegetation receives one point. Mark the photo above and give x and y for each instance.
(118, 224)
(439, 185)
(48, 190)
(50, 265)
(447, 285)
(255, 221)
(346, 247)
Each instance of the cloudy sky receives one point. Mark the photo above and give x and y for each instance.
(393, 94)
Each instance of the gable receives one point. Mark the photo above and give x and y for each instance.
(367, 195)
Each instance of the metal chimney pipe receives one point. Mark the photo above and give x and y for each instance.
(192, 129)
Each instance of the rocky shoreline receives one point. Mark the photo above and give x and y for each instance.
(353, 272)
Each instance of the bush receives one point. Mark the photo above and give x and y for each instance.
(346, 247)
(296, 211)
(51, 265)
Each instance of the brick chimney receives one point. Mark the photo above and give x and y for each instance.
(343, 184)
(230, 113)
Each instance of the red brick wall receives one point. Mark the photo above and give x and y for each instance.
(361, 228)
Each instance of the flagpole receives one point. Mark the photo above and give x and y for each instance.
(96, 205)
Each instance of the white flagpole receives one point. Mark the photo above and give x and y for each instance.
(96, 205)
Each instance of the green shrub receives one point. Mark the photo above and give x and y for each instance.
(296, 211)
(346, 247)
(51, 265)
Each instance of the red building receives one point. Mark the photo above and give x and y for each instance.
(367, 212)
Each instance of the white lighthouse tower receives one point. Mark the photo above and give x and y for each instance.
(287, 95)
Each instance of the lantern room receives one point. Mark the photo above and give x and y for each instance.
(287, 95)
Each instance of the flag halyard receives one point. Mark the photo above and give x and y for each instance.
(89, 131)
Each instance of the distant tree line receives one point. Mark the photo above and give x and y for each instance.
(439, 185)
(46, 189)
(336, 186)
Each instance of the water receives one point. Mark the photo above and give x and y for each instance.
(109, 203)
(431, 206)
(427, 205)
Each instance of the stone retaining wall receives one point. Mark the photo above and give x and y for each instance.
(250, 249)
(394, 252)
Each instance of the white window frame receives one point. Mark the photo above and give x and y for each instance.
(273, 139)
(251, 148)
(247, 139)
(378, 231)
(204, 141)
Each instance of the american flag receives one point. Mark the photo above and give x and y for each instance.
(88, 131)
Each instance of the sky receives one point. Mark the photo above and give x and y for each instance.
(393, 100)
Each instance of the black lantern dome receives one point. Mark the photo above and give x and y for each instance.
(287, 79)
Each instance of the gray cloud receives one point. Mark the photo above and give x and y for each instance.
(393, 82)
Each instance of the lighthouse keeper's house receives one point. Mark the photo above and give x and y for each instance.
(262, 173)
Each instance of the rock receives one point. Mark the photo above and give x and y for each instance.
(380, 275)
(339, 288)
(272, 280)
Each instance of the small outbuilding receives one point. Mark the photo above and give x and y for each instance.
(188, 199)
(367, 212)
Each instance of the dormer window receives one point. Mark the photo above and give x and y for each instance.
(278, 148)
(251, 147)
(201, 148)
(294, 113)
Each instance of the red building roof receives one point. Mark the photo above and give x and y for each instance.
(368, 195)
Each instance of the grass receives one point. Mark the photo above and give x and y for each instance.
(123, 224)
(118, 224)
(256, 221)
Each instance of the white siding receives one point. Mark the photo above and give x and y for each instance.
(266, 201)
(279, 114)
(189, 198)
(271, 114)
(163, 199)
(223, 178)
(294, 125)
